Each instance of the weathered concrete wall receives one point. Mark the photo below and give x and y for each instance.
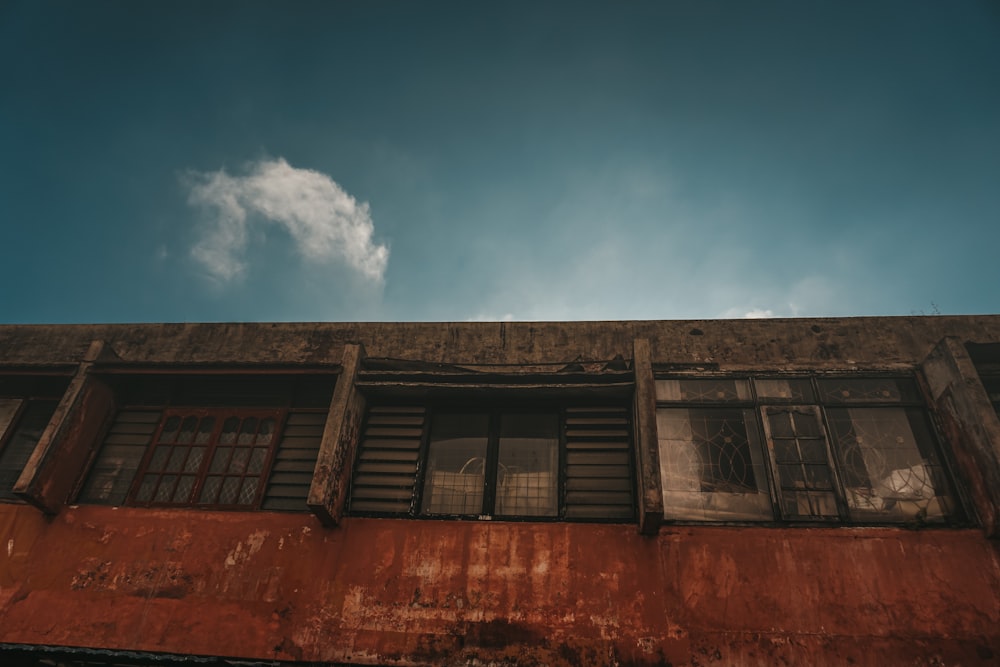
(869, 342)
(274, 586)
(970, 423)
(279, 587)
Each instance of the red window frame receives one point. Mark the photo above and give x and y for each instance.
(217, 458)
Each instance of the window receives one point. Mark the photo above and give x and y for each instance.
(21, 425)
(257, 452)
(992, 385)
(570, 463)
(499, 463)
(799, 449)
(208, 457)
(27, 403)
(986, 358)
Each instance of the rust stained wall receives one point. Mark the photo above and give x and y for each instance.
(868, 342)
(277, 586)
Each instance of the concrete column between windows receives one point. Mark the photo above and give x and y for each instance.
(332, 475)
(650, 489)
(971, 425)
(62, 452)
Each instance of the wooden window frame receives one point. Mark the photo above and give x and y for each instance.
(204, 472)
(911, 400)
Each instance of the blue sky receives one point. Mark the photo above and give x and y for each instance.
(191, 161)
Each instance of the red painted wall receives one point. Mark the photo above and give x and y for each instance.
(280, 587)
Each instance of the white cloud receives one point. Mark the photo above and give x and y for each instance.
(483, 317)
(326, 223)
(752, 314)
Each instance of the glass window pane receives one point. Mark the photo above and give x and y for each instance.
(188, 429)
(230, 490)
(869, 390)
(166, 489)
(170, 429)
(791, 476)
(786, 450)
(891, 471)
(266, 432)
(818, 477)
(159, 458)
(205, 430)
(713, 390)
(176, 460)
(228, 435)
(194, 459)
(802, 462)
(456, 464)
(184, 488)
(711, 465)
(781, 423)
(806, 425)
(239, 461)
(220, 460)
(813, 451)
(248, 432)
(527, 472)
(809, 505)
(798, 390)
(257, 460)
(175, 470)
(248, 492)
(210, 491)
(145, 492)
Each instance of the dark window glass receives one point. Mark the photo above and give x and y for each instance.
(863, 451)
(711, 465)
(868, 390)
(891, 470)
(27, 420)
(527, 478)
(456, 464)
(800, 457)
(574, 464)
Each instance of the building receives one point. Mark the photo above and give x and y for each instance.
(806, 491)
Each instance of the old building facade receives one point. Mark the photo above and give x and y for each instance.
(805, 491)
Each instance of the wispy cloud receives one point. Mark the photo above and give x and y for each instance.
(326, 223)
(488, 317)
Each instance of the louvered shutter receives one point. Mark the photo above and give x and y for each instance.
(294, 462)
(598, 464)
(387, 460)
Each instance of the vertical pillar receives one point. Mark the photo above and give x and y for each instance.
(332, 476)
(65, 445)
(646, 446)
(971, 425)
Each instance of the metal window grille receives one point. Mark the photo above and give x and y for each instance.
(213, 458)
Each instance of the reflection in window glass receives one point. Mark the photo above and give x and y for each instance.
(24, 435)
(711, 465)
(785, 389)
(456, 464)
(526, 479)
(890, 469)
(712, 390)
(205, 448)
(800, 458)
(868, 390)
